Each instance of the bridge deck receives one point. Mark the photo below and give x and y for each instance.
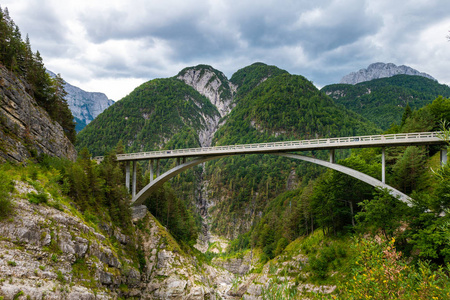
(402, 139)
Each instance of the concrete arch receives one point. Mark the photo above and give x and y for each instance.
(351, 172)
(159, 181)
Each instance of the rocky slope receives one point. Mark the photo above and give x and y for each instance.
(50, 251)
(26, 130)
(85, 106)
(380, 70)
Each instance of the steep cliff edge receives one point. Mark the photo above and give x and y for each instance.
(26, 130)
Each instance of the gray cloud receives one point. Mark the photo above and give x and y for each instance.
(323, 40)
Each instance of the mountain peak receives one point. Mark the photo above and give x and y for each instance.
(85, 106)
(381, 70)
(212, 84)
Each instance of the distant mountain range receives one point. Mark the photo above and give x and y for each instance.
(381, 70)
(85, 106)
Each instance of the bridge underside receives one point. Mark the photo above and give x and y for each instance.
(155, 184)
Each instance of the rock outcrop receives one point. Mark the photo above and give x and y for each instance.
(26, 129)
(85, 106)
(380, 70)
(212, 84)
(50, 252)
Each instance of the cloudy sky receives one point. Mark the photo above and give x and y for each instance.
(113, 46)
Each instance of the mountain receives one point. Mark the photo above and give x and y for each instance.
(85, 106)
(383, 100)
(26, 128)
(272, 105)
(212, 84)
(380, 70)
(259, 103)
(157, 114)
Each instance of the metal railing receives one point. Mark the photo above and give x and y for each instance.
(302, 145)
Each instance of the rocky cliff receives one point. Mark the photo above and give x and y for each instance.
(26, 130)
(85, 106)
(50, 251)
(212, 84)
(380, 70)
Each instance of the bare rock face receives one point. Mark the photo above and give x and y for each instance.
(212, 84)
(25, 128)
(380, 70)
(85, 106)
(217, 88)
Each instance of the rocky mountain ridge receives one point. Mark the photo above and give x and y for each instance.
(85, 106)
(380, 70)
(26, 129)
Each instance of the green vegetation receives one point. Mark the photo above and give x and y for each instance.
(282, 107)
(16, 55)
(161, 109)
(379, 271)
(6, 187)
(174, 214)
(382, 100)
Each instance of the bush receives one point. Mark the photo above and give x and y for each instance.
(39, 198)
(6, 186)
(380, 272)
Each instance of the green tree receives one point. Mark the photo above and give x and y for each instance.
(384, 212)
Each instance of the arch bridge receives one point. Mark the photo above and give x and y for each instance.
(200, 155)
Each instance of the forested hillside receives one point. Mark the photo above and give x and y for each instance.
(267, 203)
(281, 107)
(382, 100)
(158, 113)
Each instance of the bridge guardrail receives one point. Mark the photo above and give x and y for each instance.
(339, 140)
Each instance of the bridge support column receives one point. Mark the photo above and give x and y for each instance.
(383, 166)
(158, 169)
(332, 159)
(134, 180)
(127, 175)
(151, 170)
(184, 159)
(443, 156)
(178, 161)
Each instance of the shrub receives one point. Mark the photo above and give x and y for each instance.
(380, 272)
(39, 198)
(12, 263)
(6, 186)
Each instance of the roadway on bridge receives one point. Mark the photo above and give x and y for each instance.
(402, 139)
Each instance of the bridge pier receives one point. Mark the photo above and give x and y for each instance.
(134, 179)
(332, 157)
(443, 156)
(158, 169)
(151, 170)
(383, 165)
(127, 175)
